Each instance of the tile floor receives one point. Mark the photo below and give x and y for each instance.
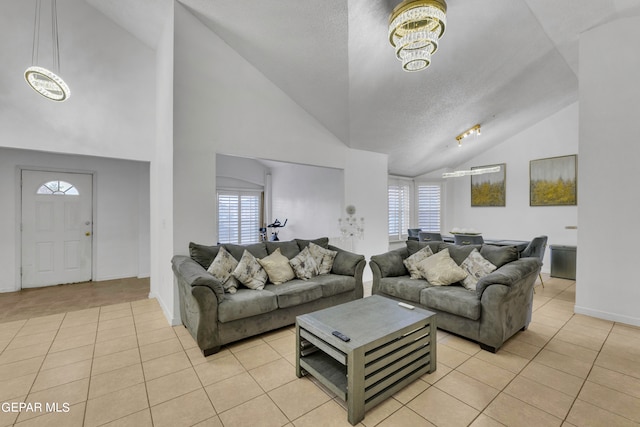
(123, 365)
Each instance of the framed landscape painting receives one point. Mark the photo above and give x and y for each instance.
(553, 181)
(489, 189)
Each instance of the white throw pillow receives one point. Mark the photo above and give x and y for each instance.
(249, 272)
(440, 269)
(323, 257)
(222, 269)
(412, 262)
(304, 265)
(277, 267)
(477, 266)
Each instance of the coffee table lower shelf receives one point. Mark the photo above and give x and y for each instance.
(331, 373)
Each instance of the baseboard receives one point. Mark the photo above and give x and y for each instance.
(614, 317)
(173, 321)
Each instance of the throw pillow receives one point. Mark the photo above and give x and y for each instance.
(322, 241)
(203, 255)
(222, 269)
(249, 272)
(412, 262)
(499, 255)
(477, 266)
(277, 267)
(323, 257)
(304, 265)
(440, 269)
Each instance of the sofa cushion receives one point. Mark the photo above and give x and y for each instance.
(477, 267)
(412, 262)
(249, 272)
(288, 249)
(402, 287)
(499, 255)
(246, 303)
(322, 241)
(203, 255)
(323, 257)
(459, 252)
(413, 246)
(258, 250)
(452, 299)
(391, 263)
(295, 292)
(277, 267)
(222, 268)
(440, 269)
(334, 284)
(304, 265)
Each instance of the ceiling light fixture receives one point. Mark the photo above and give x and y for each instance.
(478, 171)
(473, 131)
(42, 80)
(415, 27)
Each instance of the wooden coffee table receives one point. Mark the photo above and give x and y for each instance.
(390, 346)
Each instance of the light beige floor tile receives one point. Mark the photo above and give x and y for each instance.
(70, 394)
(298, 397)
(211, 422)
(72, 342)
(183, 411)
(611, 400)
(218, 369)
(277, 334)
(274, 374)
(116, 314)
(468, 390)
(115, 380)
(256, 356)
(557, 380)
(62, 375)
(440, 408)
(72, 416)
(434, 377)
(137, 419)
(115, 307)
(13, 326)
(591, 322)
(53, 319)
(115, 333)
(37, 329)
(66, 357)
(461, 344)
(159, 349)
(260, 408)
(536, 334)
(195, 356)
(189, 343)
(245, 344)
(487, 373)
(104, 348)
(164, 365)
(450, 356)
(615, 380)
(381, 412)
(577, 328)
(485, 421)
(521, 348)
(151, 325)
(171, 386)
(150, 316)
(410, 391)
(9, 416)
(586, 341)
(514, 412)
(628, 330)
(121, 322)
(626, 346)
(13, 388)
(73, 331)
(585, 414)
(563, 363)
(504, 359)
(572, 350)
(78, 321)
(539, 395)
(284, 345)
(617, 363)
(155, 336)
(115, 361)
(32, 339)
(329, 414)
(20, 368)
(233, 391)
(548, 321)
(402, 417)
(112, 406)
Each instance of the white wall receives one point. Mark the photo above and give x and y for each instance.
(121, 225)
(609, 151)
(556, 135)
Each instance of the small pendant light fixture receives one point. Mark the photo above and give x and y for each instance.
(42, 80)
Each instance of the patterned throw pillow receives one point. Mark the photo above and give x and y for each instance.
(249, 272)
(304, 265)
(412, 262)
(477, 266)
(323, 257)
(277, 267)
(222, 269)
(440, 269)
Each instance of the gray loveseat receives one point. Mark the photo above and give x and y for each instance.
(215, 318)
(498, 308)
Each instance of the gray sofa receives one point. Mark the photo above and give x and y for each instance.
(498, 308)
(215, 318)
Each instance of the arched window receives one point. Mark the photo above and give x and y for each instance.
(61, 188)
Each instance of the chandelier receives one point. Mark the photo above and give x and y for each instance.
(42, 80)
(350, 226)
(415, 27)
(467, 133)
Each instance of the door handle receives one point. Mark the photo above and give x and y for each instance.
(88, 233)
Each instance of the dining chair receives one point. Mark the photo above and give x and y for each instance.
(536, 249)
(468, 239)
(413, 233)
(428, 236)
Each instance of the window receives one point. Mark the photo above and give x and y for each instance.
(239, 214)
(59, 188)
(429, 207)
(399, 210)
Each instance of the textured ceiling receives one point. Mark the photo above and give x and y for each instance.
(505, 64)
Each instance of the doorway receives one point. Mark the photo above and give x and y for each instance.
(56, 228)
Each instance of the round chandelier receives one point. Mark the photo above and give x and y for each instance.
(415, 27)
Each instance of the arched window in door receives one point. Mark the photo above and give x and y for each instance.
(59, 188)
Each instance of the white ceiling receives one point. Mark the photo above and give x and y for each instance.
(505, 64)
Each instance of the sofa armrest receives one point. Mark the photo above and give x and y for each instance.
(346, 263)
(194, 274)
(511, 275)
(390, 264)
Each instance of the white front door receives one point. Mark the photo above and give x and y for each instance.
(57, 229)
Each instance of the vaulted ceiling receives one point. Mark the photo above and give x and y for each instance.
(505, 64)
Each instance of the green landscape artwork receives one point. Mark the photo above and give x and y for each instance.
(553, 181)
(489, 189)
